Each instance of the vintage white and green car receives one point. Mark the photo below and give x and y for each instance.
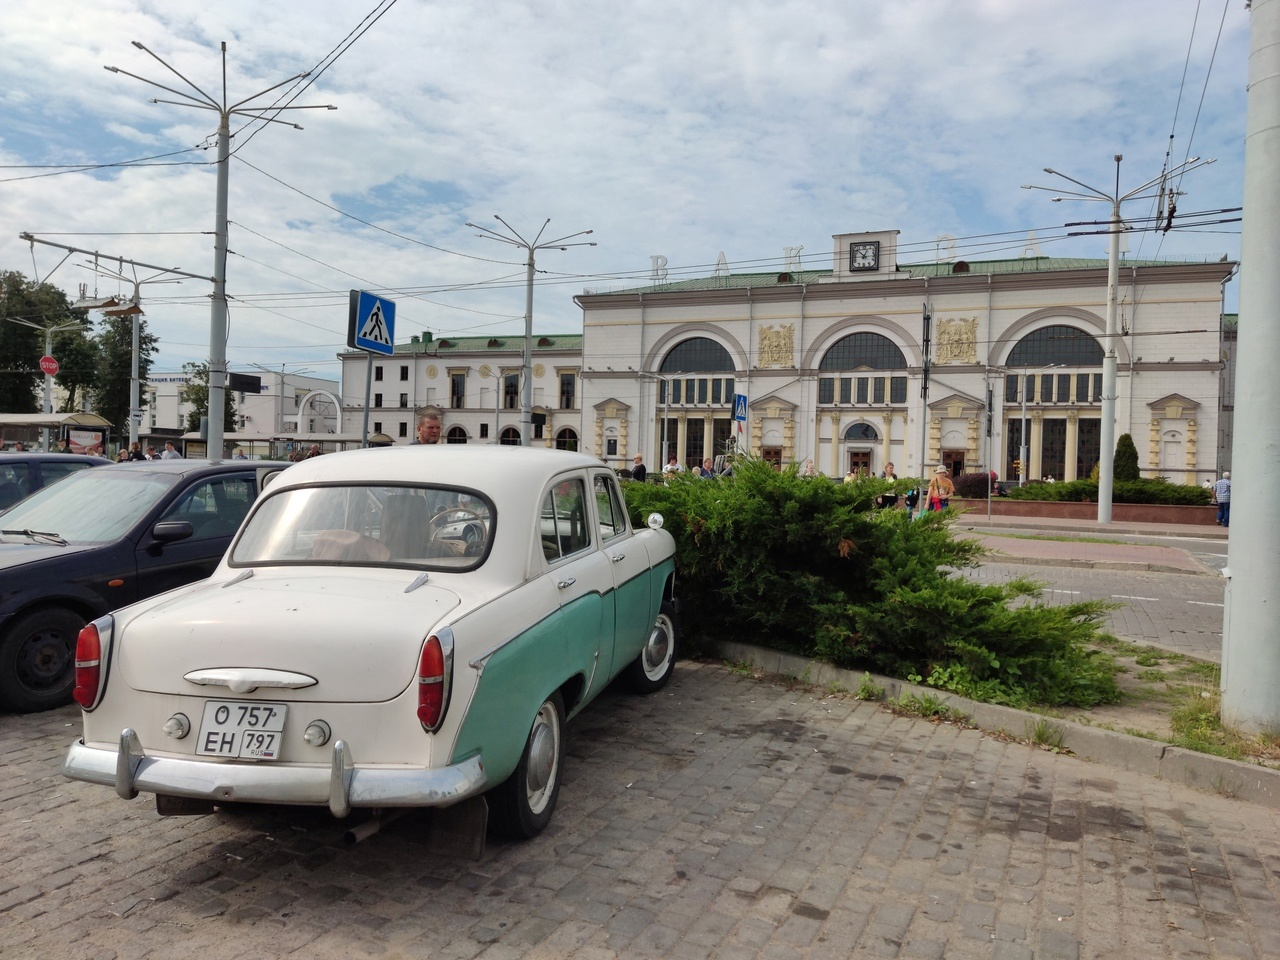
(403, 627)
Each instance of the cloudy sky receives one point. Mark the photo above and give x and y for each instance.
(675, 129)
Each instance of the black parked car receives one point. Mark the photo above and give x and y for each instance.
(101, 539)
(24, 473)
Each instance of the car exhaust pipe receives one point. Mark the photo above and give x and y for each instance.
(363, 831)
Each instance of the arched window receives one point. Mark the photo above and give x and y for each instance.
(863, 351)
(456, 435)
(1058, 344)
(567, 439)
(861, 432)
(697, 355)
(510, 437)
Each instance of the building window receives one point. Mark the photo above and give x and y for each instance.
(702, 390)
(1056, 344)
(456, 435)
(827, 390)
(484, 431)
(717, 389)
(1064, 388)
(404, 401)
(404, 429)
(567, 384)
(510, 437)
(1082, 388)
(457, 390)
(897, 389)
(697, 355)
(869, 350)
(567, 439)
(404, 372)
(1011, 388)
(377, 399)
(377, 426)
(846, 390)
(862, 389)
(510, 392)
(377, 374)
(877, 390)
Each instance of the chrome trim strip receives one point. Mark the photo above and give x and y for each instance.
(237, 579)
(278, 782)
(128, 759)
(418, 581)
(340, 780)
(246, 680)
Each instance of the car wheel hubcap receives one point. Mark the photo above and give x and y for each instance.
(658, 650)
(543, 753)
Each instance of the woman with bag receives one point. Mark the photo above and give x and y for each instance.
(941, 489)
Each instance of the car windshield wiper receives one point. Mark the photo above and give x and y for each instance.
(35, 535)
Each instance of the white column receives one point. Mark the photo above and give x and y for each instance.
(1250, 653)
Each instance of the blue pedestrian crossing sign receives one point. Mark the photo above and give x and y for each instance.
(740, 406)
(371, 323)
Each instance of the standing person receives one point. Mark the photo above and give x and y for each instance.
(1222, 497)
(19, 447)
(706, 471)
(169, 452)
(673, 466)
(887, 499)
(135, 451)
(315, 451)
(64, 446)
(941, 489)
(152, 453)
(638, 471)
(428, 428)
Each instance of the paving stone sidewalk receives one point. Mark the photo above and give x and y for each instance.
(723, 818)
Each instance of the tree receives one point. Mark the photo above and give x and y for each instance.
(21, 347)
(196, 393)
(1126, 462)
(77, 355)
(110, 392)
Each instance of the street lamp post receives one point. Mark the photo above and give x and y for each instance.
(48, 377)
(218, 309)
(666, 415)
(530, 247)
(1107, 455)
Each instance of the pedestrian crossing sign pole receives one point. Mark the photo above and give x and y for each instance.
(371, 327)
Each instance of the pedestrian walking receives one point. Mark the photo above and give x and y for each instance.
(941, 490)
(638, 471)
(1222, 497)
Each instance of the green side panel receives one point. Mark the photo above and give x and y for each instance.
(636, 612)
(520, 676)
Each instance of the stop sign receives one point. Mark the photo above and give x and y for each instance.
(49, 365)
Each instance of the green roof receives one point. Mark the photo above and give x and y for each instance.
(442, 346)
(737, 281)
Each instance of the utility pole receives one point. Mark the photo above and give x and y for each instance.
(48, 352)
(218, 309)
(1250, 654)
(1107, 441)
(530, 247)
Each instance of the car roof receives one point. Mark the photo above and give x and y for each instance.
(184, 466)
(33, 456)
(499, 471)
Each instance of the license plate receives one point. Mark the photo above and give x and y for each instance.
(245, 731)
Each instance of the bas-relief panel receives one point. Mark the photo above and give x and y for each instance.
(775, 346)
(957, 341)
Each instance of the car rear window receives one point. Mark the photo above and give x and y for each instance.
(379, 525)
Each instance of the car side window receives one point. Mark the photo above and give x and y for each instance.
(14, 484)
(613, 519)
(563, 521)
(214, 507)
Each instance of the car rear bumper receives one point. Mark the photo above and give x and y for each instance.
(340, 787)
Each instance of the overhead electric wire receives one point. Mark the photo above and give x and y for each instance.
(62, 169)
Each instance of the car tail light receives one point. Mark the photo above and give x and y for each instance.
(90, 658)
(435, 673)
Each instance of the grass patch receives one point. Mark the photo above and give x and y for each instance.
(1047, 536)
(1152, 676)
(925, 705)
(868, 689)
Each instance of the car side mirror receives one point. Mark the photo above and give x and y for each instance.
(170, 531)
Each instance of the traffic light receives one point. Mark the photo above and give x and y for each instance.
(1017, 468)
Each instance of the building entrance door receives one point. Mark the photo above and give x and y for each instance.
(953, 460)
(860, 463)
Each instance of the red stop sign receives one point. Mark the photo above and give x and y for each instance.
(49, 365)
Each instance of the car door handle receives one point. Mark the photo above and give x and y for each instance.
(569, 582)
(618, 558)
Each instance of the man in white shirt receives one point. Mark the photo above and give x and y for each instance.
(169, 452)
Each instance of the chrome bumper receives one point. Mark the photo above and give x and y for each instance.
(340, 788)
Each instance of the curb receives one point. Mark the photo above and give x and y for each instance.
(1138, 566)
(1201, 771)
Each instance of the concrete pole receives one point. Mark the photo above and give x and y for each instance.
(48, 389)
(1107, 453)
(218, 309)
(133, 378)
(526, 367)
(1250, 651)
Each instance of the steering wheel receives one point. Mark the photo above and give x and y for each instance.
(446, 516)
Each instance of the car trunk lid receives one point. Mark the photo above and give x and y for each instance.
(356, 633)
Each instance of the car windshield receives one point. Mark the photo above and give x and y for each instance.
(90, 506)
(418, 526)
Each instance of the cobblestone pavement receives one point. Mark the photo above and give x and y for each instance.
(1175, 611)
(722, 818)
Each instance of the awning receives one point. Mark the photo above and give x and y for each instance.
(53, 420)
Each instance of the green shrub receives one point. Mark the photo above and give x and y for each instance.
(1126, 462)
(805, 565)
(1145, 490)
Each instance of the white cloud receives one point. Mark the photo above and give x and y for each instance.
(681, 129)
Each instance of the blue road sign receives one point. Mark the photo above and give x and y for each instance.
(371, 323)
(740, 406)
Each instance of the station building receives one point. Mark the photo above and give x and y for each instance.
(831, 362)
